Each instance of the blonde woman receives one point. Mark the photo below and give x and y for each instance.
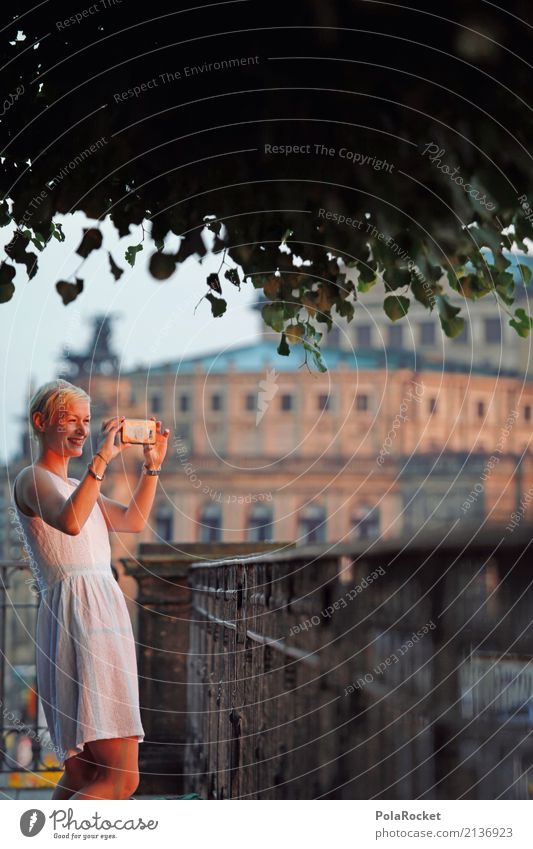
(85, 650)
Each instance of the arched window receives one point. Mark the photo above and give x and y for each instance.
(210, 529)
(164, 522)
(365, 522)
(260, 524)
(312, 524)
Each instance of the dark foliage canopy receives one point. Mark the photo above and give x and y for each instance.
(372, 141)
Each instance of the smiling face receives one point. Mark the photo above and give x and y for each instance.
(67, 436)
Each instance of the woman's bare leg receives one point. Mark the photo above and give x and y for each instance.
(79, 771)
(117, 765)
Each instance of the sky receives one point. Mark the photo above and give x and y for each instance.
(155, 320)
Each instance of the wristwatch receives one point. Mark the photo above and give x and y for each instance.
(148, 471)
(94, 474)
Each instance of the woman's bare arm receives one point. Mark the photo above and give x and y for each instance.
(130, 518)
(67, 515)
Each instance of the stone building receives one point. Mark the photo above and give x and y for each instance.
(262, 448)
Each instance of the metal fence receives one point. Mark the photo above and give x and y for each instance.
(28, 760)
(24, 740)
(387, 671)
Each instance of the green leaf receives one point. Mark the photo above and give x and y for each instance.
(290, 309)
(396, 278)
(214, 283)
(283, 347)
(474, 286)
(5, 217)
(233, 276)
(317, 356)
(159, 244)
(131, 253)
(526, 272)
(450, 323)
(273, 316)
(16, 250)
(345, 309)
(91, 241)
(446, 309)
(453, 326)
(218, 305)
(522, 322)
(36, 240)
(295, 333)
(7, 273)
(57, 231)
(504, 285)
(367, 277)
(396, 306)
(69, 291)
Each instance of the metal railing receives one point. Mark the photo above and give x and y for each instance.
(397, 670)
(28, 758)
(24, 739)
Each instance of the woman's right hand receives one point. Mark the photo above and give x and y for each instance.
(106, 439)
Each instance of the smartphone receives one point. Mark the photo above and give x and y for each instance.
(138, 431)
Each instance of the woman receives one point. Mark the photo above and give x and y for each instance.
(86, 663)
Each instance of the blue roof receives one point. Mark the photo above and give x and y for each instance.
(257, 356)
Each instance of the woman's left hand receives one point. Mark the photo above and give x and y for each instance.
(155, 454)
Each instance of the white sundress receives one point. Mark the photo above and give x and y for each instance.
(85, 649)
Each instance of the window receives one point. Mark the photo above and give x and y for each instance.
(260, 524)
(324, 402)
(480, 409)
(396, 336)
(156, 403)
(210, 523)
(312, 525)
(493, 331)
(184, 403)
(286, 402)
(164, 524)
(251, 402)
(432, 405)
(427, 333)
(527, 413)
(183, 432)
(216, 401)
(362, 402)
(365, 522)
(364, 335)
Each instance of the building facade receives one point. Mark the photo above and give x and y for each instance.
(262, 448)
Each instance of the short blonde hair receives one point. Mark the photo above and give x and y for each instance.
(53, 397)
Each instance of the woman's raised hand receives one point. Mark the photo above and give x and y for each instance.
(106, 439)
(155, 454)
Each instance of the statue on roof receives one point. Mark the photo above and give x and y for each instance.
(98, 358)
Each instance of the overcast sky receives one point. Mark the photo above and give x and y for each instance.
(35, 324)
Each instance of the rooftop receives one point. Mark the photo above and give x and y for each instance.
(256, 356)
